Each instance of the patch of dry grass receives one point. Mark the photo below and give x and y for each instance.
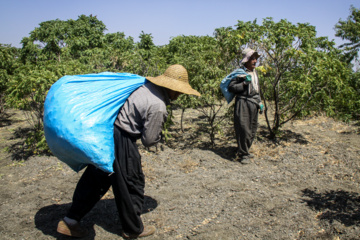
(188, 165)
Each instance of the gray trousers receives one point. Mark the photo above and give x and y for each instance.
(245, 124)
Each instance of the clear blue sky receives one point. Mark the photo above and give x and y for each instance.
(166, 18)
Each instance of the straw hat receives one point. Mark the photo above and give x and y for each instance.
(175, 78)
(247, 54)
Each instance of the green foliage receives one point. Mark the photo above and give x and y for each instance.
(118, 49)
(8, 65)
(167, 124)
(146, 41)
(355, 84)
(350, 30)
(201, 56)
(299, 74)
(51, 37)
(35, 141)
(27, 91)
(87, 32)
(229, 44)
(56, 39)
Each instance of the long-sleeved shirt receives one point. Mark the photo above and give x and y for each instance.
(237, 85)
(144, 113)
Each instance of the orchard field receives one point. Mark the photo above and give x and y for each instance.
(302, 184)
(304, 187)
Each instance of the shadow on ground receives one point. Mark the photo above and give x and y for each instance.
(263, 135)
(335, 205)
(228, 152)
(104, 214)
(17, 149)
(5, 119)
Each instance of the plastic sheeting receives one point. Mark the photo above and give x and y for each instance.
(79, 117)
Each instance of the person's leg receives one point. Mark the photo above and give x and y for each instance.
(237, 125)
(128, 182)
(241, 124)
(254, 113)
(93, 184)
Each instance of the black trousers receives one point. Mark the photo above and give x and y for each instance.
(127, 181)
(245, 124)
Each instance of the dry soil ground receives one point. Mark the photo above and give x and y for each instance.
(304, 187)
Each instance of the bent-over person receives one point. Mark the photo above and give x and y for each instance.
(141, 117)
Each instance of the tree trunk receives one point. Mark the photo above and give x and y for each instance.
(182, 119)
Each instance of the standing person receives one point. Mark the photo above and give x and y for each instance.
(141, 117)
(247, 104)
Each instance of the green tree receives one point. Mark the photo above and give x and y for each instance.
(8, 64)
(146, 59)
(146, 41)
(30, 52)
(300, 73)
(27, 90)
(55, 39)
(200, 55)
(146, 53)
(229, 44)
(350, 30)
(51, 37)
(119, 48)
(87, 32)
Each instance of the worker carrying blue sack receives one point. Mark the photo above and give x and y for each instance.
(94, 121)
(243, 85)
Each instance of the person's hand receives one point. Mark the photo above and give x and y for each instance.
(247, 79)
(261, 108)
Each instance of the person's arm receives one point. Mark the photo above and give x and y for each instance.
(237, 85)
(153, 126)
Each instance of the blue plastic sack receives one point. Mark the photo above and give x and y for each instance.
(79, 117)
(225, 84)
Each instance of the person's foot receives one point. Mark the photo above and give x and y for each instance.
(245, 159)
(148, 230)
(72, 230)
(250, 155)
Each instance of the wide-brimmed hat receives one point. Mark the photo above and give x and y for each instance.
(175, 78)
(247, 54)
